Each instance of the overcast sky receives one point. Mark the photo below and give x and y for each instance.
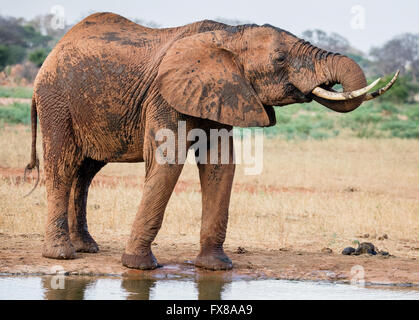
(364, 23)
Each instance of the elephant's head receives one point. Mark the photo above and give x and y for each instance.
(235, 75)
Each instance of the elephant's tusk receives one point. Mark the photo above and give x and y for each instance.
(379, 92)
(339, 96)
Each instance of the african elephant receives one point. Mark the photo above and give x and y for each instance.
(109, 85)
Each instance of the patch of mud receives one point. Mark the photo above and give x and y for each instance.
(22, 256)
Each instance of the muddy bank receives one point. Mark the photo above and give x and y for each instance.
(22, 255)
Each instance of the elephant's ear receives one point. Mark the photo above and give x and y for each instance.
(200, 78)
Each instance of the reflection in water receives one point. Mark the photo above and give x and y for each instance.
(207, 285)
(138, 289)
(210, 287)
(74, 288)
(199, 285)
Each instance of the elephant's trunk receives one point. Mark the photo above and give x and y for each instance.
(343, 70)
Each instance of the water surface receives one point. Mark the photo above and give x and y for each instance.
(115, 288)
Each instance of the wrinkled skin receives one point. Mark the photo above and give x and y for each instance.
(109, 85)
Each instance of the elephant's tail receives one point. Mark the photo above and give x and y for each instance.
(34, 159)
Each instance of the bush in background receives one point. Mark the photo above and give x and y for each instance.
(16, 92)
(402, 91)
(21, 74)
(16, 113)
(38, 56)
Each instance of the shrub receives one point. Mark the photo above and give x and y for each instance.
(16, 113)
(402, 128)
(38, 56)
(24, 73)
(387, 107)
(402, 91)
(16, 92)
(412, 112)
(11, 55)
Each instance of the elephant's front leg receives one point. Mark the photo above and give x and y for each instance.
(216, 183)
(158, 186)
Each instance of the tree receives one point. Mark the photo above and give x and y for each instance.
(4, 56)
(43, 24)
(16, 37)
(34, 38)
(401, 52)
(11, 55)
(11, 31)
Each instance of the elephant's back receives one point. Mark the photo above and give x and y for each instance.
(109, 33)
(95, 79)
(99, 25)
(100, 51)
(102, 43)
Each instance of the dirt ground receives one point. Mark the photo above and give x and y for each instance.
(22, 255)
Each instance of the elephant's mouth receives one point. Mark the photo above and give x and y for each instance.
(271, 114)
(293, 95)
(299, 96)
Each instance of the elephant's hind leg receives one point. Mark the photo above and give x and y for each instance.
(79, 234)
(61, 165)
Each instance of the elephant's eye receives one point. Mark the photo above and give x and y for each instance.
(280, 58)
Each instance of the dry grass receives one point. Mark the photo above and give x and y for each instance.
(332, 192)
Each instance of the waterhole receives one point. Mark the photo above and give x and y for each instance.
(210, 287)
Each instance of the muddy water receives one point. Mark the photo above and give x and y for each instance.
(206, 287)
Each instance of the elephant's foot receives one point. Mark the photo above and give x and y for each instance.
(213, 260)
(84, 243)
(57, 250)
(145, 261)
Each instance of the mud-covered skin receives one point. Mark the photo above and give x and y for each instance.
(109, 85)
(79, 235)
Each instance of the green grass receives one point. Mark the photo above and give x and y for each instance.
(371, 120)
(16, 113)
(384, 120)
(15, 92)
(401, 129)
